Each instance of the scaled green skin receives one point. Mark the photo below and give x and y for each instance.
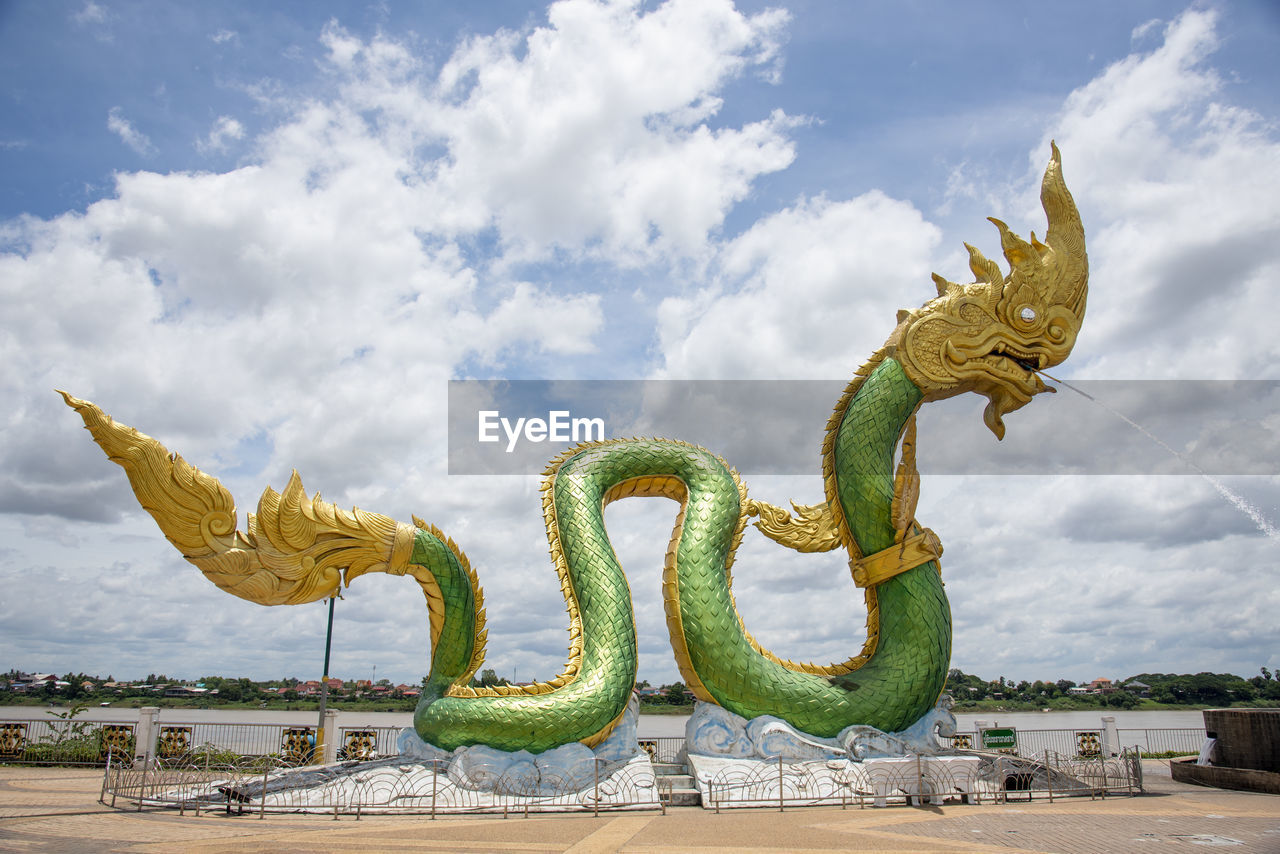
(894, 689)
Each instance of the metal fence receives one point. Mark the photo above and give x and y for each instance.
(266, 786)
(991, 778)
(1089, 743)
(69, 741)
(74, 741)
(666, 750)
(368, 742)
(1164, 741)
(224, 743)
(87, 742)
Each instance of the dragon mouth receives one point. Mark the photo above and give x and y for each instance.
(1029, 362)
(1003, 360)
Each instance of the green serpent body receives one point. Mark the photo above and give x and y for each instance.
(894, 688)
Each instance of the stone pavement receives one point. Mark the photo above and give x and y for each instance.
(57, 810)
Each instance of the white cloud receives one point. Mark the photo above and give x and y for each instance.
(91, 13)
(223, 36)
(592, 134)
(97, 19)
(1145, 30)
(129, 135)
(864, 258)
(224, 130)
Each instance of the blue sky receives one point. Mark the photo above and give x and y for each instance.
(270, 234)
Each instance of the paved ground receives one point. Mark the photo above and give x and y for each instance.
(57, 810)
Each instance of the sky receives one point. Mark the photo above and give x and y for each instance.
(270, 235)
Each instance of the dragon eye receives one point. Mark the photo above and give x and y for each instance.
(1028, 313)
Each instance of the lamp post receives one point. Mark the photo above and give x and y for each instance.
(324, 682)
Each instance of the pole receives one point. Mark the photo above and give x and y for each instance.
(324, 684)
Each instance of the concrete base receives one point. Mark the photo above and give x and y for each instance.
(1245, 779)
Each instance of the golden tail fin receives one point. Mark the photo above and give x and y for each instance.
(296, 548)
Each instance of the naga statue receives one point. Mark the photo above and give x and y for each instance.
(992, 337)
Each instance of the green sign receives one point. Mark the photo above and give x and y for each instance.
(999, 739)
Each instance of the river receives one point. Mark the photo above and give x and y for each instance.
(651, 726)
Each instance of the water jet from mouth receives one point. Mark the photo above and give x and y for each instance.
(1240, 502)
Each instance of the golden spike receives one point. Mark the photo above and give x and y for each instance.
(1024, 260)
(1040, 247)
(983, 269)
(943, 285)
(1068, 281)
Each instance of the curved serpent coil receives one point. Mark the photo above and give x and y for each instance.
(990, 337)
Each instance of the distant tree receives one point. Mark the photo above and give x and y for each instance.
(488, 679)
(965, 686)
(677, 694)
(1120, 700)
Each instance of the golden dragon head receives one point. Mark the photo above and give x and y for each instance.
(992, 336)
